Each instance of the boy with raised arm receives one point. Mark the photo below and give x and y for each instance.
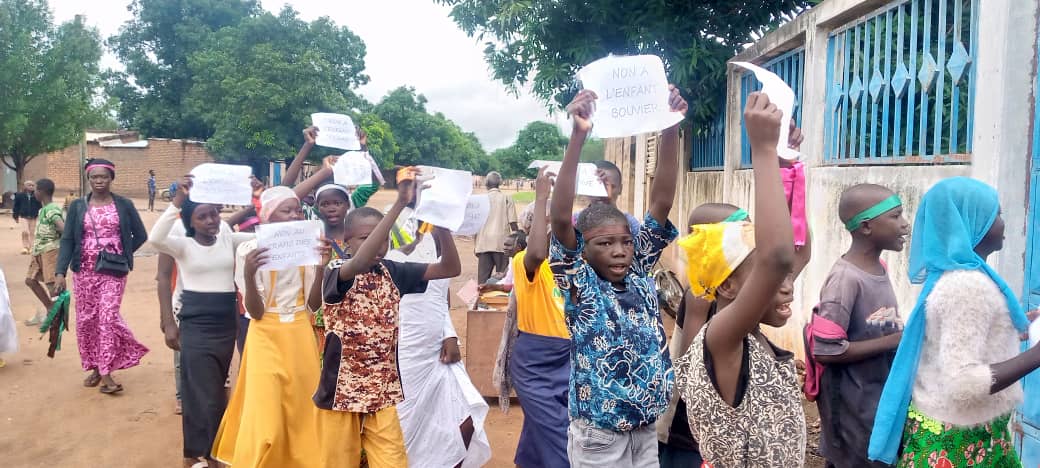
(360, 385)
(741, 391)
(621, 374)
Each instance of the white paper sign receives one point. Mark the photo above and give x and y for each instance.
(782, 96)
(336, 131)
(469, 293)
(289, 244)
(588, 183)
(444, 203)
(632, 95)
(1034, 332)
(477, 210)
(352, 169)
(221, 184)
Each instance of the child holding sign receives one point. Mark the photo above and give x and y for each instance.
(621, 373)
(360, 385)
(269, 420)
(741, 391)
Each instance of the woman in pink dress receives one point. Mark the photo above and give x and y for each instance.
(101, 222)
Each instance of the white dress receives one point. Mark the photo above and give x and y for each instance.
(8, 328)
(438, 397)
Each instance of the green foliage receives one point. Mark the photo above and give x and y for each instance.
(257, 83)
(428, 139)
(241, 78)
(544, 42)
(594, 150)
(538, 140)
(381, 143)
(48, 81)
(155, 47)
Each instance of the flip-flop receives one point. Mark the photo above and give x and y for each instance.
(111, 390)
(92, 380)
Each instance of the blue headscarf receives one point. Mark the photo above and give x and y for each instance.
(953, 218)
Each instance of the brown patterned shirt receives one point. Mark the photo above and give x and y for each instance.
(359, 372)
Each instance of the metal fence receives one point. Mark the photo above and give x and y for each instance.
(708, 145)
(901, 84)
(791, 67)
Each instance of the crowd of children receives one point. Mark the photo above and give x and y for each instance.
(355, 360)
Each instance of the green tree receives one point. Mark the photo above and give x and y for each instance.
(381, 143)
(594, 150)
(49, 80)
(537, 140)
(428, 139)
(544, 42)
(155, 47)
(256, 83)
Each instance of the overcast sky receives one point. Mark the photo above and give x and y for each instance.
(409, 42)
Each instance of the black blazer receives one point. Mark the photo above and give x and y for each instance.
(26, 206)
(131, 231)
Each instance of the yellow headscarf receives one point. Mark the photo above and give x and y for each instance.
(713, 252)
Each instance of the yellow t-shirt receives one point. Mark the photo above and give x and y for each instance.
(539, 303)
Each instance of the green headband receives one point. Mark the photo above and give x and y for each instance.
(739, 215)
(873, 212)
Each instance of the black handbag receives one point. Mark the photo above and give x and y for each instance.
(109, 262)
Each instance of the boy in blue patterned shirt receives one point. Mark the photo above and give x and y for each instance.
(621, 373)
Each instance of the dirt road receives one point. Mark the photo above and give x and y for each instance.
(48, 419)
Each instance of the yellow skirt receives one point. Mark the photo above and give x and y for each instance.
(271, 420)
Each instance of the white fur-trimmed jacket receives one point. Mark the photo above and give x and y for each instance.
(968, 329)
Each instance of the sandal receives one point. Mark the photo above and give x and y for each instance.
(178, 409)
(92, 380)
(111, 389)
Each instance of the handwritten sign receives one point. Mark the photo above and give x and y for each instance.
(221, 184)
(444, 203)
(336, 131)
(588, 183)
(477, 210)
(352, 169)
(290, 244)
(782, 96)
(632, 95)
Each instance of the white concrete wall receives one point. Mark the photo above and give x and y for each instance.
(1002, 143)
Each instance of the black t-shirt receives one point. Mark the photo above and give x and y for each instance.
(407, 277)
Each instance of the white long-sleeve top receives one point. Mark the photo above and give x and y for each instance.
(201, 268)
(968, 329)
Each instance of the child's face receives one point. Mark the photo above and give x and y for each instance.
(889, 230)
(359, 230)
(994, 239)
(779, 311)
(509, 246)
(206, 219)
(609, 251)
(778, 315)
(332, 206)
(287, 210)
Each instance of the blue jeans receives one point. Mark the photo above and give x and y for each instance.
(592, 447)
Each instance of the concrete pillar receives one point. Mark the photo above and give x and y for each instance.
(1004, 89)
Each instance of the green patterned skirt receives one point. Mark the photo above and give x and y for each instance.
(931, 443)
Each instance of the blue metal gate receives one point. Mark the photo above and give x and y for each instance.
(1027, 427)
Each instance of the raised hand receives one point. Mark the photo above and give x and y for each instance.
(544, 183)
(183, 190)
(762, 119)
(676, 103)
(254, 261)
(581, 108)
(310, 135)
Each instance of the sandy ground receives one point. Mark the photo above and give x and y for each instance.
(48, 419)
